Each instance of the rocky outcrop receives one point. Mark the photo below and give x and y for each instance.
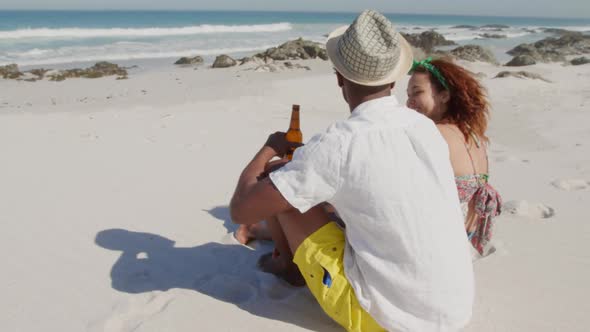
(521, 74)
(533, 52)
(474, 53)
(580, 61)
(427, 40)
(465, 26)
(10, 71)
(275, 59)
(275, 66)
(100, 69)
(197, 60)
(491, 36)
(557, 31)
(298, 49)
(34, 75)
(568, 44)
(39, 73)
(555, 49)
(224, 61)
(495, 26)
(254, 61)
(521, 60)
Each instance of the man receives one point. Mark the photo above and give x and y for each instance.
(402, 262)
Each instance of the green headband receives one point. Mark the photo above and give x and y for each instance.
(426, 64)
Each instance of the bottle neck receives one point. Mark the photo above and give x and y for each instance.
(294, 120)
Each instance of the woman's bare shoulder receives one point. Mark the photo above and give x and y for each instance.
(448, 131)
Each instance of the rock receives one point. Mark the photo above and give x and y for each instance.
(252, 60)
(40, 72)
(521, 60)
(525, 49)
(57, 76)
(557, 31)
(495, 26)
(279, 54)
(106, 69)
(10, 71)
(491, 36)
(474, 53)
(277, 66)
(427, 40)
(521, 74)
(464, 26)
(224, 61)
(555, 49)
(312, 50)
(190, 61)
(99, 69)
(580, 61)
(298, 49)
(568, 44)
(537, 54)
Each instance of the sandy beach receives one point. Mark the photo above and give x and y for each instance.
(115, 192)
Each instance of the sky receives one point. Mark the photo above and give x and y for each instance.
(538, 8)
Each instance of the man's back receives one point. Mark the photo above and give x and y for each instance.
(407, 254)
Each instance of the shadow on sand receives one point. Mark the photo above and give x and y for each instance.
(227, 272)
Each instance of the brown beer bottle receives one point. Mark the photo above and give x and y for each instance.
(294, 134)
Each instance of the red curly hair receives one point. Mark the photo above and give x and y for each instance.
(468, 107)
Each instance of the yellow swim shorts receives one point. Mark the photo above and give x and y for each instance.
(320, 260)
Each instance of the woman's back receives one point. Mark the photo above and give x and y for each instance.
(466, 158)
(480, 201)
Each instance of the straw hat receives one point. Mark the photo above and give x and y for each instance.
(369, 51)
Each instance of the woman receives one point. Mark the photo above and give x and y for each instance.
(450, 96)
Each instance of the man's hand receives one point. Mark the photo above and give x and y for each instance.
(278, 142)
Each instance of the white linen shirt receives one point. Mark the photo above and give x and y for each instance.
(387, 172)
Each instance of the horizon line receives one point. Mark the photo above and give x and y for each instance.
(290, 11)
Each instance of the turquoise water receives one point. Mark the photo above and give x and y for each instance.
(35, 38)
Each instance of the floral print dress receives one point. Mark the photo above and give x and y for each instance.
(487, 205)
(475, 190)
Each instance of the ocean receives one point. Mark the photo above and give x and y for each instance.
(65, 38)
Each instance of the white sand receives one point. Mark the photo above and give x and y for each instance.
(114, 201)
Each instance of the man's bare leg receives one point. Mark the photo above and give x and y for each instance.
(289, 231)
(280, 261)
(261, 230)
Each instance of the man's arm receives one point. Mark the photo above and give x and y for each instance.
(256, 200)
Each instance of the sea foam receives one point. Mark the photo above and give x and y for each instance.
(141, 32)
